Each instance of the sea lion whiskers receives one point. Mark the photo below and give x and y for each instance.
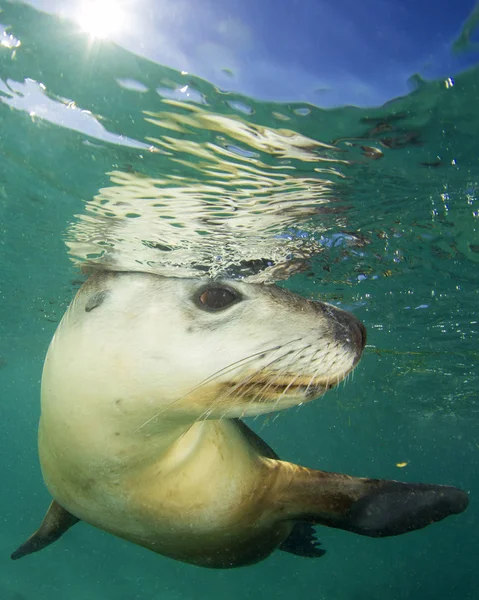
(279, 375)
(311, 380)
(238, 384)
(313, 376)
(241, 362)
(221, 398)
(292, 382)
(235, 364)
(243, 382)
(285, 391)
(231, 367)
(271, 383)
(259, 396)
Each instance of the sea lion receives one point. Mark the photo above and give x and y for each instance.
(143, 389)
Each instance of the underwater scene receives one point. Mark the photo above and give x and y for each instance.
(204, 153)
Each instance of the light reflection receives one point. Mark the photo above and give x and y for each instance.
(101, 18)
(8, 40)
(33, 98)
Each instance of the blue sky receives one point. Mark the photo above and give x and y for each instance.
(329, 53)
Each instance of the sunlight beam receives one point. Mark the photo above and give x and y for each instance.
(101, 18)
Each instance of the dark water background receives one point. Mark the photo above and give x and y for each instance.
(399, 238)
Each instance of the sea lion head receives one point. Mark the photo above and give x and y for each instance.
(194, 349)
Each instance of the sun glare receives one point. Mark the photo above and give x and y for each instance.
(101, 18)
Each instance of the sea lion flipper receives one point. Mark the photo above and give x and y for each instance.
(55, 523)
(371, 507)
(302, 541)
(255, 440)
(397, 507)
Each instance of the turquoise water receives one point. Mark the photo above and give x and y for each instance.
(378, 206)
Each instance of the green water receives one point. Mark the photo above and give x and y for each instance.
(394, 239)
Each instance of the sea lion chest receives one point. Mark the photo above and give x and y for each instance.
(208, 494)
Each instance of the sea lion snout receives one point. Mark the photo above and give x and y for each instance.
(347, 329)
(359, 335)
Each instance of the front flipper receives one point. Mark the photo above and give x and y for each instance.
(56, 522)
(302, 539)
(396, 508)
(371, 507)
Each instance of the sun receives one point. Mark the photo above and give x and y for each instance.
(101, 18)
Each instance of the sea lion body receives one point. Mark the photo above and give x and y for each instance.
(140, 435)
(188, 504)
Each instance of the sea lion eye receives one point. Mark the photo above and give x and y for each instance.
(217, 298)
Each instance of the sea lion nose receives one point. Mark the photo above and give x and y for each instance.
(348, 329)
(356, 337)
(362, 333)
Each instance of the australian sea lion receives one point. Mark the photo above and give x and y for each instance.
(143, 388)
